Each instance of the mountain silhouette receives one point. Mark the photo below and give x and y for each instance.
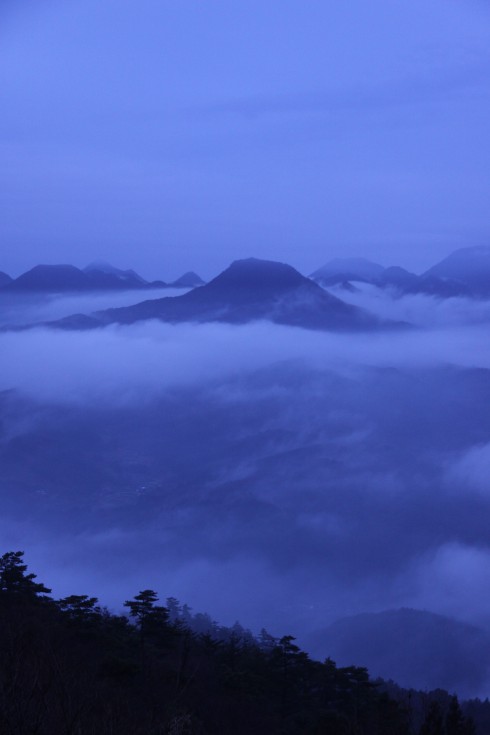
(468, 267)
(249, 290)
(51, 278)
(107, 276)
(444, 280)
(397, 278)
(188, 280)
(340, 270)
(404, 282)
(413, 647)
(98, 276)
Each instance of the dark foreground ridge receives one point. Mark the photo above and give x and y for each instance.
(70, 666)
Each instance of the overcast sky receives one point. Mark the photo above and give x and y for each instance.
(169, 135)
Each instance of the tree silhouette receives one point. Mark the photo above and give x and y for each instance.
(13, 577)
(433, 723)
(150, 618)
(80, 608)
(68, 666)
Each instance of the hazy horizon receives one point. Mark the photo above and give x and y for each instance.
(186, 135)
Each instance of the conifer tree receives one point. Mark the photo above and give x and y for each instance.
(148, 616)
(15, 581)
(80, 607)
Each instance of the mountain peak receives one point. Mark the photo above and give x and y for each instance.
(348, 269)
(51, 278)
(102, 267)
(188, 280)
(469, 266)
(258, 275)
(250, 290)
(449, 653)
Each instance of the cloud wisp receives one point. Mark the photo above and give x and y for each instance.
(282, 476)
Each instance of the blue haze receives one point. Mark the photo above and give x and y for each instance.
(171, 136)
(261, 471)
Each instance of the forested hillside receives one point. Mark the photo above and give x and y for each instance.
(71, 667)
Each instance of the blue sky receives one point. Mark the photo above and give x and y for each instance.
(174, 135)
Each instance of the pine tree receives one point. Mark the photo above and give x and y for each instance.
(148, 616)
(80, 608)
(15, 581)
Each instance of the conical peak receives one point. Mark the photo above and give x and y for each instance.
(256, 273)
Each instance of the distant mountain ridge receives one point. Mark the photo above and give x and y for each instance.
(98, 276)
(57, 278)
(339, 270)
(114, 276)
(467, 266)
(249, 290)
(465, 272)
(188, 280)
(416, 648)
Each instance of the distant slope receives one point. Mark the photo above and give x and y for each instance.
(469, 267)
(5, 279)
(465, 272)
(398, 278)
(69, 279)
(342, 271)
(105, 273)
(404, 282)
(339, 270)
(188, 280)
(415, 648)
(444, 288)
(250, 290)
(51, 278)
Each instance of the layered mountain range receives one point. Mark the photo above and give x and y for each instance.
(416, 648)
(349, 476)
(98, 276)
(252, 289)
(465, 272)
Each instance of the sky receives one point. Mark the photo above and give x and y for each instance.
(168, 136)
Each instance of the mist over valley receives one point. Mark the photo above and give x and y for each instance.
(284, 476)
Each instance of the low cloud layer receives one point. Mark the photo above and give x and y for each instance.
(119, 364)
(18, 309)
(421, 310)
(270, 474)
